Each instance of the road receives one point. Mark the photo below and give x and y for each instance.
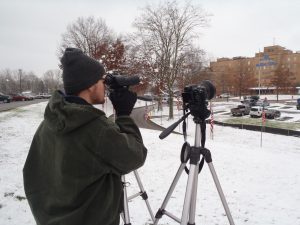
(137, 113)
(12, 105)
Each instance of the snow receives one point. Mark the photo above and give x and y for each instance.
(261, 184)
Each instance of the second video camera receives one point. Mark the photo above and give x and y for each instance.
(195, 98)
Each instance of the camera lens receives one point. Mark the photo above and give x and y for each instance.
(210, 89)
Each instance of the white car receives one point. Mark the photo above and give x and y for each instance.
(225, 95)
(256, 111)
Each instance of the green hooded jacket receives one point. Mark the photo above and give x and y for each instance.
(72, 174)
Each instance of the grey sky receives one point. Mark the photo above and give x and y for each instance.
(30, 30)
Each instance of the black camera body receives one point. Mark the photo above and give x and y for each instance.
(195, 99)
(115, 82)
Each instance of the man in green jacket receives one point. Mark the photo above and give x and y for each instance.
(72, 174)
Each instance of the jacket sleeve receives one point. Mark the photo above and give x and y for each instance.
(121, 145)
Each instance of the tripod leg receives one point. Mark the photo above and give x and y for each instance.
(220, 191)
(126, 209)
(193, 200)
(161, 210)
(144, 194)
(188, 194)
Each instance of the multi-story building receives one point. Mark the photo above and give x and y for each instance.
(261, 67)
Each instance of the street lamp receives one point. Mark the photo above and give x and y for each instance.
(266, 61)
(20, 76)
(7, 86)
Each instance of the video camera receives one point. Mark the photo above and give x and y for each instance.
(195, 98)
(115, 82)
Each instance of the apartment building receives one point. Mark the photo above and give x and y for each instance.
(261, 67)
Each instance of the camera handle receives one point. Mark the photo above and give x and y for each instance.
(169, 129)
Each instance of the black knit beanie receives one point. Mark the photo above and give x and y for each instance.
(79, 71)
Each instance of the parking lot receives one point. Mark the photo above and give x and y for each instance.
(289, 116)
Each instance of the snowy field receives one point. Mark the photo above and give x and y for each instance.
(261, 184)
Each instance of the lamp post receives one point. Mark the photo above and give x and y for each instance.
(265, 62)
(259, 81)
(259, 65)
(7, 86)
(20, 77)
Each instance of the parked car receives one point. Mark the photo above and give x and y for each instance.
(19, 97)
(240, 110)
(250, 100)
(298, 103)
(42, 96)
(29, 96)
(262, 103)
(225, 95)
(256, 111)
(272, 114)
(4, 98)
(255, 97)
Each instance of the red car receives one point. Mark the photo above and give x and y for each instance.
(19, 97)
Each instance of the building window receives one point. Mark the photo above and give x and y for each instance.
(249, 62)
(289, 59)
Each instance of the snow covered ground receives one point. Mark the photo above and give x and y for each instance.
(261, 184)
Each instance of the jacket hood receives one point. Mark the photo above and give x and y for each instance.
(63, 117)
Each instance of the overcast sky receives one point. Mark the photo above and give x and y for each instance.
(30, 30)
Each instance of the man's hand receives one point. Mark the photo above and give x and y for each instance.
(123, 101)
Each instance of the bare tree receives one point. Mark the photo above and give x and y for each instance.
(139, 64)
(193, 70)
(90, 35)
(95, 39)
(166, 32)
(12, 82)
(243, 78)
(283, 79)
(52, 80)
(7, 83)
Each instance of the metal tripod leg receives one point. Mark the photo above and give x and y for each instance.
(162, 210)
(194, 199)
(188, 195)
(125, 213)
(142, 193)
(220, 191)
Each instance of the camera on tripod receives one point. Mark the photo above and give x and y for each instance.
(195, 98)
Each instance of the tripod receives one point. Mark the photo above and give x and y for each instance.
(191, 154)
(142, 193)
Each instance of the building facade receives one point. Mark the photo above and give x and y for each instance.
(260, 68)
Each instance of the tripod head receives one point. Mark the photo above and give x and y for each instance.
(194, 103)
